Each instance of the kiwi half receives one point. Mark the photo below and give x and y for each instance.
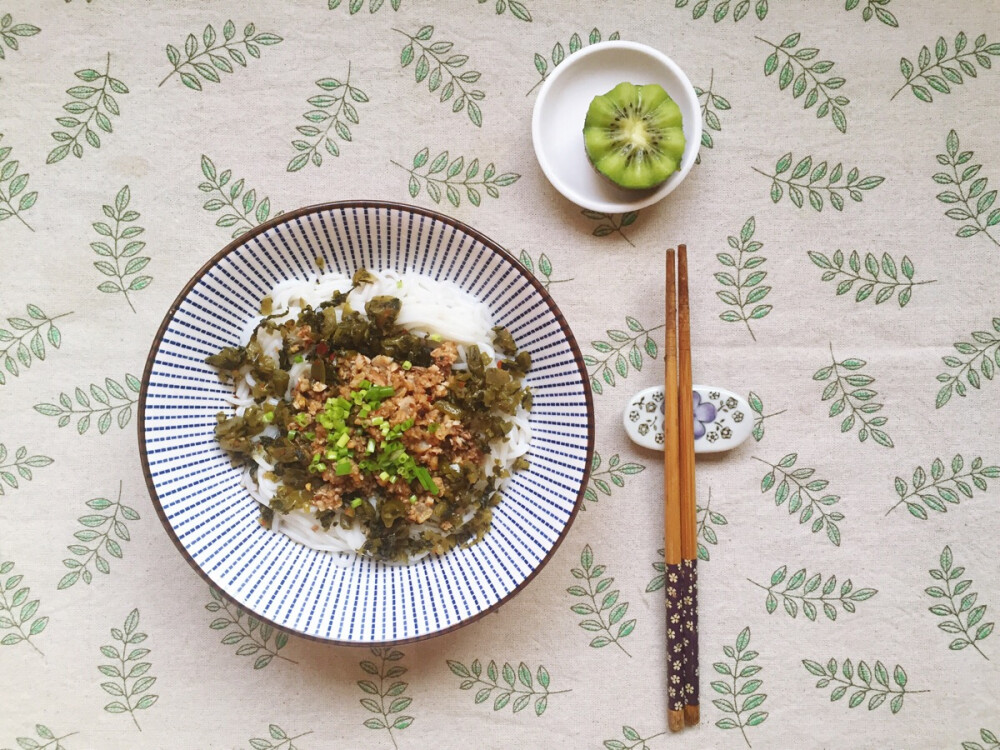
(634, 136)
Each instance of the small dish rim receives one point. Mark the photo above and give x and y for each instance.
(648, 198)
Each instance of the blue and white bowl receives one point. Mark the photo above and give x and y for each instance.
(348, 599)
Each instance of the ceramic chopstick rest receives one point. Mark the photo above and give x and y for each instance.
(722, 419)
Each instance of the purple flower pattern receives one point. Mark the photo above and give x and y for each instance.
(704, 414)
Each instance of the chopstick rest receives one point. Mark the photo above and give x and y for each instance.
(722, 419)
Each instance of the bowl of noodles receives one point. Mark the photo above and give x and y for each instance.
(366, 423)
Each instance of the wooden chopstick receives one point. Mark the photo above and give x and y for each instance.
(672, 509)
(688, 511)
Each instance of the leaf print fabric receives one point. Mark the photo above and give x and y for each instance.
(843, 228)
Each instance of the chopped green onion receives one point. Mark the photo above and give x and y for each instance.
(268, 417)
(292, 434)
(310, 435)
(384, 475)
(344, 466)
(299, 359)
(356, 502)
(343, 440)
(435, 337)
(407, 365)
(371, 446)
(432, 427)
(424, 477)
(302, 418)
(379, 393)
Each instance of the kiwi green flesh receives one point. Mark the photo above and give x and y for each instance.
(633, 135)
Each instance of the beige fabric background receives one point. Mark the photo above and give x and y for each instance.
(211, 698)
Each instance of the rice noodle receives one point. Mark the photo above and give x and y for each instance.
(428, 307)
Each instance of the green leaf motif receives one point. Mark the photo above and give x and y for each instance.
(801, 73)
(355, 6)
(711, 104)
(517, 9)
(333, 110)
(131, 682)
(205, 58)
(852, 398)
(991, 740)
(973, 203)
(17, 609)
(720, 10)
(560, 53)
(47, 739)
(846, 678)
(635, 740)
(111, 403)
(121, 265)
(942, 491)
(740, 688)
(11, 32)
(626, 351)
(278, 739)
(24, 341)
(757, 406)
(963, 614)
(744, 292)
(529, 687)
(460, 174)
(874, 9)
(810, 594)
(243, 210)
(977, 361)
(940, 72)
(14, 200)
(613, 475)
(389, 691)
(441, 70)
(806, 182)
(806, 497)
(13, 472)
(96, 103)
(878, 279)
(542, 270)
(605, 617)
(101, 538)
(611, 223)
(252, 637)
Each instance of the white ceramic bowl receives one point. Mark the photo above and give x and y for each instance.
(561, 107)
(348, 599)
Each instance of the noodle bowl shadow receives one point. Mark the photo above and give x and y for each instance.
(349, 599)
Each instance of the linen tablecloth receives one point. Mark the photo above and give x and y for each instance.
(844, 245)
